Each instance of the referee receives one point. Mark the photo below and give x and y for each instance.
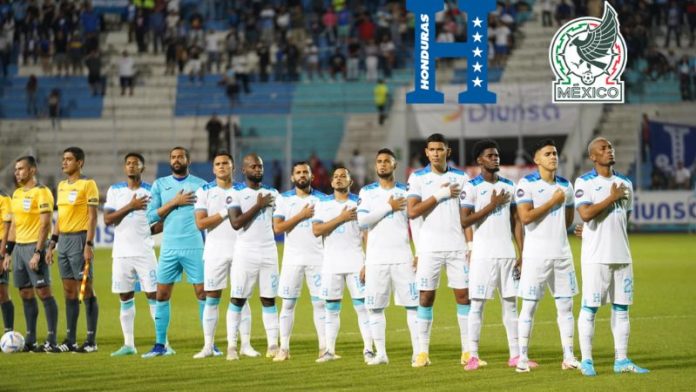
(32, 206)
(78, 198)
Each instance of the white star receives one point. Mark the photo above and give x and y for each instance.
(477, 67)
(477, 37)
(477, 52)
(477, 22)
(477, 82)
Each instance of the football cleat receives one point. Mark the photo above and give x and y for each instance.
(158, 350)
(465, 359)
(249, 352)
(473, 364)
(512, 362)
(272, 351)
(283, 355)
(627, 366)
(587, 368)
(232, 354)
(87, 348)
(327, 357)
(570, 363)
(378, 360)
(124, 351)
(207, 352)
(368, 355)
(422, 360)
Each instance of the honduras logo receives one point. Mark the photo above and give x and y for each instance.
(588, 56)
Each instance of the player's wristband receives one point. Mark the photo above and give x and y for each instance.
(442, 194)
(223, 214)
(9, 247)
(54, 238)
(90, 244)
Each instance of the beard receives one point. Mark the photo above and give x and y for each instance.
(302, 184)
(494, 169)
(342, 189)
(385, 176)
(254, 178)
(180, 171)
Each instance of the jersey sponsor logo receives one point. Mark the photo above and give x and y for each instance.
(541, 190)
(598, 189)
(579, 193)
(520, 192)
(484, 192)
(167, 188)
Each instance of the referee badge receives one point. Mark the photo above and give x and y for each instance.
(26, 204)
(72, 196)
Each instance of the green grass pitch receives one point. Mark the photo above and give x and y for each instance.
(662, 340)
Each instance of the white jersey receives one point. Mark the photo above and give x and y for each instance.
(441, 230)
(546, 238)
(257, 235)
(302, 247)
(604, 238)
(387, 239)
(493, 234)
(220, 240)
(132, 236)
(343, 252)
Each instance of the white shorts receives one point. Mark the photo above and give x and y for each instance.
(430, 263)
(607, 283)
(127, 270)
(215, 272)
(248, 268)
(291, 277)
(486, 275)
(382, 279)
(332, 285)
(559, 274)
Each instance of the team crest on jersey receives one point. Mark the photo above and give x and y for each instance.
(579, 193)
(520, 192)
(462, 195)
(588, 56)
(228, 200)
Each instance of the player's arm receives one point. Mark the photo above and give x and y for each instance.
(590, 211)
(517, 232)
(91, 231)
(239, 219)
(282, 225)
(44, 228)
(325, 228)
(8, 246)
(417, 207)
(569, 216)
(370, 216)
(205, 222)
(114, 217)
(470, 217)
(529, 214)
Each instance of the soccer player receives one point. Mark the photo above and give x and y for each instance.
(133, 251)
(389, 261)
(32, 206)
(545, 206)
(434, 196)
(5, 302)
(171, 200)
(336, 221)
(250, 212)
(302, 255)
(493, 262)
(604, 200)
(77, 200)
(211, 215)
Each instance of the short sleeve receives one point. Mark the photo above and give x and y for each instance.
(631, 197)
(320, 214)
(414, 187)
(583, 193)
(5, 209)
(468, 197)
(569, 199)
(92, 193)
(523, 194)
(363, 202)
(45, 201)
(234, 200)
(280, 210)
(201, 200)
(110, 203)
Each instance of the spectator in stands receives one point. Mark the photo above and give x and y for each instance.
(229, 82)
(292, 61)
(684, 71)
(337, 64)
(267, 16)
(502, 40)
(645, 137)
(691, 18)
(158, 26)
(31, 89)
(381, 95)
(241, 71)
(563, 13)
(141, 29)
(231, 44)
(353, 62)
(5, 51)
(170, 56)
(54, 110)
(94, 75)
(212, 48)
(358, 168)
(196, 36)
(264, 55)
(75, 53)
(388, 55)
(682, 177)
(89, 20)
(674, 23)
(60, 56)
(214, 129)
(181, 54)
(195, 66)
(297, 25)
(371, 61)
(45, 55)
(126, 73)
(658, 179)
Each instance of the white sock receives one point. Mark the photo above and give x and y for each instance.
(210, 320)
(152, 303)
(510, 322)
(425, 323)
(378, 327)
(270, 323)
(234, 316)
(620, 328)
(319, 307)
(566, 325)
(475, 320)
(363, 323)
(127, 316)
(412, 321)
(586, 321)
(245, 327)
(524, 326)
(463, 320)
(287, 319)
(333, 324)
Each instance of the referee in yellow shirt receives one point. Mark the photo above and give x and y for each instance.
(6, 304)
(32, 208)
(78, 198)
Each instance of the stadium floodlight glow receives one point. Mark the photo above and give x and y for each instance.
(426, 50)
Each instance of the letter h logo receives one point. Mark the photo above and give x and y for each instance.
(475, 50)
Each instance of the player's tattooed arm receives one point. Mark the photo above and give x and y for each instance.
(240, 220)
(529, 214)
(325, 228)
(590, 211)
